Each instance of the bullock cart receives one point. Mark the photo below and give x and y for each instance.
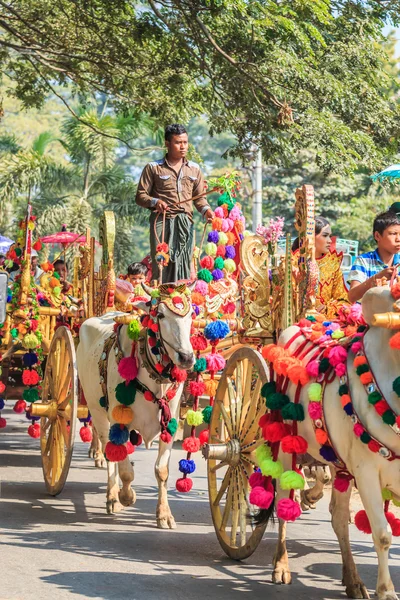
(61, 402)
(271, 301)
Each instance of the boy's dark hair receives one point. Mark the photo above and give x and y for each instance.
(137, 268)
(174, 129)
(57, 262)
(385, 220)
(320, 223)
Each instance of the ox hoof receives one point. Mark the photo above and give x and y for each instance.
(390, 595)
(100, 463)
(281, 574)
(166, 523)
(113, 506)
(127, 497)
(357, 590)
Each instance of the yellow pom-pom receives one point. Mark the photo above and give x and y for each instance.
(263, 453)
(290, 480)
(196, 252)
(229, 265)
(194, 418)
(396, 502)
(122, 414)
(30, 341)
(222, 238)
(271, 468)
(337, 335)
(210, 248)
(315, 392)
(31, 225)
(386, 494)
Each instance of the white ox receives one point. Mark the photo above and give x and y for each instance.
(371, 471)
(175, 334)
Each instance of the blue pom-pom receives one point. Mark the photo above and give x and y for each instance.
(213, 237)
(217, 330)
(328, 453)
(86, 419)
(118, 435)
(329, 332)
(187, 466)
(241, 237)
(326, 323)
(348, 409)
(2, 403)
(196, 309)
(230, 252)
(30, 359)
(155, 351)
(9, 297)
(217, 274)
(31, 417)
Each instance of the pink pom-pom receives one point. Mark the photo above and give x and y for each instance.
(191, 444)
(313, 368)
(196, 388)
(225, 226)
(203, 437)
(178, 374)
(201, 286)
(341, 484)
(19, 407)
(3, 423)
(340, 369)
(215, 362)
(184, 484)
(337, 355)
(230, 223)
(86, 434)
(130, 448)
(334, 326)
(166, 437)
(34, 430)
(356, 347)
(288, 510)
(358, 429)
(362, 523)
(128, 368)
(322, 339)
(115, 452)
(219, 212)
(257, 479)
(355, 314)
(315, 410)
(260, 497)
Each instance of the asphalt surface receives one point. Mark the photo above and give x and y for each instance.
(68, 547)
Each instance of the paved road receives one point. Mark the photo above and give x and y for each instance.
(67, 547)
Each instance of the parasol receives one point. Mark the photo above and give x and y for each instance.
(5, 243)
(65, 238)
(392, 172)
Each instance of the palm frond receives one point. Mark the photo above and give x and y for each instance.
(40, 143)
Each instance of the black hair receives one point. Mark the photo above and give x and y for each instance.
(137, 268)
(385, 220)
(57, 262)
(320, 223)
(174, 129)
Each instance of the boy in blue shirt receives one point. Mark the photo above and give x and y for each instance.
(382, 262)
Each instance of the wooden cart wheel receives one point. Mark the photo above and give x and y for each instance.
(59, 410)
(234, 437)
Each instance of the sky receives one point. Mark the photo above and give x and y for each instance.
(390, 28)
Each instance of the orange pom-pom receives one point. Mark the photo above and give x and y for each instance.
(122, 414)
(272, 352)
(321, 436)
(395, 291)
(210, 387)
(359, 360)
(198, 298)
(298, 374)
(317, 327)
(345, 399)
(283, 363)
(320, 318)
(231, 238)
(366, 378)
(54, 282)
(350, 330)
(315, 335)
(47, 266)
(217, 224)
(395, 341)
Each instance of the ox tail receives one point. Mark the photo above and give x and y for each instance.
(266, 515)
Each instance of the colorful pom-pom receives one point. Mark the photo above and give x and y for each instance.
(219, 263)
(207, 262)
(277, 401)
(198, 342)
(212, 237)
(321, 436)
(86, 434)
(172, 426)
(203, 436)
(293, 412)
(207, 411)
(315, 392)
(361, 521)
(3, 423)
(215, 362)
(290, 480)
(194, 418)
(196, 388)
(210, 249)
(118, 434)
(127, 368)
(122, 414)
(126, 392)
(263, 453)
(200, 365)
(184, 485)
(261, 497)
(288, 510)
(205, 275)
(30, 341)
(33, 430)
(191, 444)
(179, 375)
(294, 444)
(19, 407)
(271, 468)
(187, 466)
(115, 452)
(274, 432)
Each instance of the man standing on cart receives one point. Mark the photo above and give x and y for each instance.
(167, 187)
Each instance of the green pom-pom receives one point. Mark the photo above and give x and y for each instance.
(263, 452)
(200, 365)
(315, 392)
(207, 414)
(14, 333)
(31, 395)
(133, 330)
(343, 389)
(277, 401)
(225, 198)
(155, 293)
(194, 418)
(396, 386)
(30, 341)
(126, 393)
(103, 402)
(293, 412)
(290, 480)
(172, 426)
(365, 437)
(18, 251)
(362, 369)
(386, 494)
(56, 275)
(311, 319)
(388, 417)
(219, 263)
(323, 365)
(268, 388)
(396, 502)
(271, 468)
(57, 291)
(205, 275)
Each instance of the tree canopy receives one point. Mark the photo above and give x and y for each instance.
(284, 74)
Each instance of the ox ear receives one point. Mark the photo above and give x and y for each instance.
(140, 305)
(147, 288)
(191, 286)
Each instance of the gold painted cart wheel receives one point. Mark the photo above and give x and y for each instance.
(59, 410)
(234, 436)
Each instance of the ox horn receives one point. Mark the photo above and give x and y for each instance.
(147, 289)
(390, 320)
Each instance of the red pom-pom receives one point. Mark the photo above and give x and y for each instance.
(191, 444)
(130, 448)
(162, 247)
(115, 452)
(294, 444)
(221, 251)
(229, 308)
(152, 342)
(304, 323)
(19, 407)
(264, 420)
(3, 423)
(398, 421)
(184, 484)
(395, 341)
(171, 393)
(30, 377)
(288, 510)
(149, 396)
(341, 484)
(159, 368)
(34, 430)
(261, 497)
(362, 523)
(2, 387)
(178, 374)
(196, 388)
(153, 326)
(381, 407)
(257, 479)
(203, 437)
(374, 446)
(198, 342)
(128, 368)
(166, 437)
(274, 432)
(298, 374)
(37, 245)
(86, 434)
(207, 263)
(394, 525)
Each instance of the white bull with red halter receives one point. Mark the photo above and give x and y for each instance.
(172, 320)
(375, 465)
